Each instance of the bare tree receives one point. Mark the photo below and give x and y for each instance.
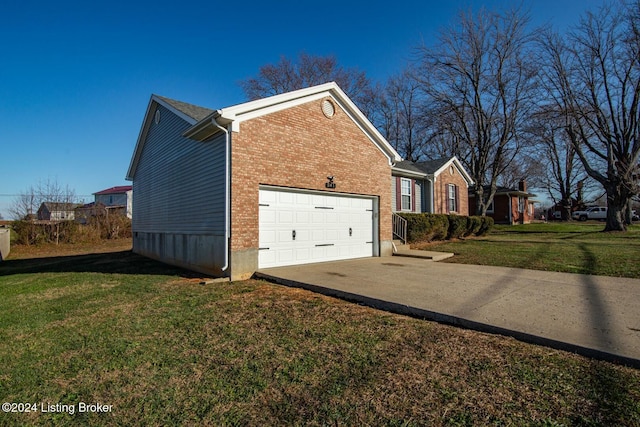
(309, 70)
(596, 76)
(480, 83)
(562, 174)
(399, 115)
(28, 202)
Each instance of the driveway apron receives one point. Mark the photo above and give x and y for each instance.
(596, 316)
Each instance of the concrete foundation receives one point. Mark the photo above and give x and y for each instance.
(201, 253)
(386, 248)
(244, 263)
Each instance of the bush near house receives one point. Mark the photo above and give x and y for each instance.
(427, 227)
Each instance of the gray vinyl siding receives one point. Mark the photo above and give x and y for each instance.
(179, 183)
(427, 193)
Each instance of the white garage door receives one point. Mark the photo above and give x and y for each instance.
(300, 228)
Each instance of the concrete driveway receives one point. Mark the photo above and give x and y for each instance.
(595, 316)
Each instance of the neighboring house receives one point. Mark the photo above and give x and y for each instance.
(295, 178)
(436, 186)
(54, 211)
(509, 206)
(121, 196)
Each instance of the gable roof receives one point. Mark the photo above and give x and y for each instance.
(205, 122)
(236, 114)
(432, 168)
(407, 167)
(115, 190)
(195, 112)
(59, 206)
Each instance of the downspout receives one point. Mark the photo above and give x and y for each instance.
(227, 193)
(510, 209)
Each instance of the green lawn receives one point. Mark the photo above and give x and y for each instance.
(161, 349)
(571, 248)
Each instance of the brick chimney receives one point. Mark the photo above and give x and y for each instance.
(522, 186)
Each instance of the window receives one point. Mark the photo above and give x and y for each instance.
(452, 198)
(405, 186)
(490, 207)
(521, 204)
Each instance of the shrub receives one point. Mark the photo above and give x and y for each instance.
(473, 225)
(457, 226)
(429, 227)
(426, 227)
(486, 225)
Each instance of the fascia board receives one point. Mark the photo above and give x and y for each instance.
(142, 135)
(454, 160)
(236, 115)
(395, 171)
(368, 128)
(253, 109)
(204, 128)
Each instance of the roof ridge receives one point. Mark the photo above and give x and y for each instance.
(196, 112)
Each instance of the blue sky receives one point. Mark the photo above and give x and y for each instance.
(76, 76)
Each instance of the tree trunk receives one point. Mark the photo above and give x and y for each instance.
(615, 211)
(565, 213)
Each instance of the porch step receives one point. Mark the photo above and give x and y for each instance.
(416, 253)
(400, 247)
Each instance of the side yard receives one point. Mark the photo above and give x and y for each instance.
(158, 347)
(570, 248)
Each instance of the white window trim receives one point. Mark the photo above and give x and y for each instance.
(491, 208)
(403, 194)
(450, 188)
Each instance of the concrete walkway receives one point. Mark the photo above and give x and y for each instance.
(595, 316)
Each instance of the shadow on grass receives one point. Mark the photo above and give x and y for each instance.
(608, 388)
(123, 262)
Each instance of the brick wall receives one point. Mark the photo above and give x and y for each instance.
(299, 147)
(440, 192)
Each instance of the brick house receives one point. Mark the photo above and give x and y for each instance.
(291, 179)
(435, 186)
(509, 206)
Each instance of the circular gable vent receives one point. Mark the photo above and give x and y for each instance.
(327, 108)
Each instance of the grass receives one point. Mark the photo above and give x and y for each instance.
(148, 339)
(570, 248)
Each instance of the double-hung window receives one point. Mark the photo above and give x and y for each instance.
(452, 198)
(405, 187)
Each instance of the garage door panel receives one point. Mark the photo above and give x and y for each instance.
(321, 223)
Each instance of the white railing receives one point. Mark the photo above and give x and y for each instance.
(399, 228)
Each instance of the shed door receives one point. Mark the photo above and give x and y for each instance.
(300, 228)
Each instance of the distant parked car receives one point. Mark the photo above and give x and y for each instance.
(595, 212)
